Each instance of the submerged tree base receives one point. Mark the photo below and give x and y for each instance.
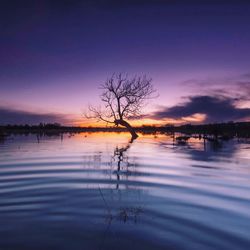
(124, 99)
(128, 127)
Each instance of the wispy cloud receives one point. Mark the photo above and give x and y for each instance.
(237, 86)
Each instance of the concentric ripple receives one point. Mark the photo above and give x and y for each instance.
(98, 191)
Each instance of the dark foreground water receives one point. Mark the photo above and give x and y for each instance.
(96, 191)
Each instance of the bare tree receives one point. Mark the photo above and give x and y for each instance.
(123, 99)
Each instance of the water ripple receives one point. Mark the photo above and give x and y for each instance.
(149, 192)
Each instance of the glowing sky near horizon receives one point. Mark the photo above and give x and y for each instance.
(55, 54)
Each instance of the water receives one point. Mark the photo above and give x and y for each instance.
(97, 191)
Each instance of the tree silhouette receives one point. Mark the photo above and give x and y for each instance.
(123, 99)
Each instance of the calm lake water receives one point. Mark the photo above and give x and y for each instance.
(97, 191)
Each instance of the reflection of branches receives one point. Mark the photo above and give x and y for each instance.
(124, 212)
(127, 213)
(119, 154)
(2, 137)
(107, 207)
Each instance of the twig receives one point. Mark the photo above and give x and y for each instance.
(108, 209)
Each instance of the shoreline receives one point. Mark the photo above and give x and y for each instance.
(216, 130)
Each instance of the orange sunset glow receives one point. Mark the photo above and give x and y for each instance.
(125, 124)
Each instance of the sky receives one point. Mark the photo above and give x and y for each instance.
(54, 54)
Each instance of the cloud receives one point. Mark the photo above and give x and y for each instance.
(12, 116)
(235, 88)
(231, 86)
(213, 109)
(244, 86)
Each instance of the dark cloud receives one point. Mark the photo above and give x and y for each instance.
(11, 116)
(216, 109)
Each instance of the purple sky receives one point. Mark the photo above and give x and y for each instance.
(55, 54)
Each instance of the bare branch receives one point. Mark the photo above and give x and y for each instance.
(123, 98)
(98, 115)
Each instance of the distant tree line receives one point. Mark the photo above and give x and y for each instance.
(231, 129)
(226, 130)
(50, 129)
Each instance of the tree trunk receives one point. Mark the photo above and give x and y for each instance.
(129, 128)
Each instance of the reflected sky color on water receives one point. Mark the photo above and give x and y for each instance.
(97, 191)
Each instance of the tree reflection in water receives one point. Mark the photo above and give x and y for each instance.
(119, 210)
(120, 157)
